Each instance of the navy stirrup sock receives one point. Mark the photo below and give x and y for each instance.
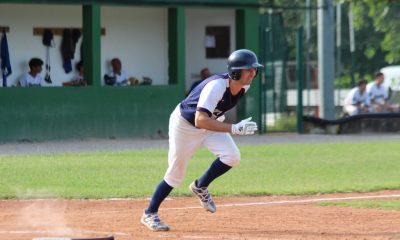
(161, 192)
(216, 169)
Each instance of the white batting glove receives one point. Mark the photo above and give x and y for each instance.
(244, 127)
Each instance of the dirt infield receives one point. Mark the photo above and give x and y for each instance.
(267, 217)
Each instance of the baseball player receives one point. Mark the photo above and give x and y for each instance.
(379, 95)
(357, 101)
(198, 121)
(117, 76)
(33, 77)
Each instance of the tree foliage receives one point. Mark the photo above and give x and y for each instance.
(376, 25)
(385, 22)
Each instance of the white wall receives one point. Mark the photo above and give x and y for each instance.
(23, 45)
(311, 98)
(138, 36)
(196, 21)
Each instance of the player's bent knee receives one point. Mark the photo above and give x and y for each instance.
(231, 159)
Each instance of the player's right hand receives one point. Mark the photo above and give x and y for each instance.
(244, 127)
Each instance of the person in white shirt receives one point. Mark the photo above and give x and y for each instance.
(33, 77)
(79, 79)
(378, 94)
(357, 101)
(117, 76)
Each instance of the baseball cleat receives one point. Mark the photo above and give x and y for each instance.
(153, 222)
(204, 196)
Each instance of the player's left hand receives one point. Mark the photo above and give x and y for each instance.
(244, 127)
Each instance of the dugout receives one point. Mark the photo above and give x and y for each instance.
(97, 111)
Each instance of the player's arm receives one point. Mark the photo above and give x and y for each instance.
(208, 100)
(211, 94)
(244, 127)
(202, 120)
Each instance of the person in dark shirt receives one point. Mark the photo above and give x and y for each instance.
(204, 73)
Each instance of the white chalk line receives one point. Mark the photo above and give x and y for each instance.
(284, 202)
(281, 202)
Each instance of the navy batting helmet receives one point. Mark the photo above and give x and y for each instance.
(241, 59)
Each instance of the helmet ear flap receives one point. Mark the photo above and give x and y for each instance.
(236, 74)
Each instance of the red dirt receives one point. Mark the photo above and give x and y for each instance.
(26, 219)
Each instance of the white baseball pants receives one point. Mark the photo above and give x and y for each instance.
(185, 139)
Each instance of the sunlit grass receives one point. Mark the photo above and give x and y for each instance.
(264, 169)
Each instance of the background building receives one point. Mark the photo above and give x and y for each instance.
(166, 41)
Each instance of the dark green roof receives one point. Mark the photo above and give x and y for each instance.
(210, 3)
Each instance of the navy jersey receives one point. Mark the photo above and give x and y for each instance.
(212, 96)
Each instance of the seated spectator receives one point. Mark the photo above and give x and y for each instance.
(79, 80)
(33, 77)
(117, 76)
(357, 102)
(379, 94)
(204, 73)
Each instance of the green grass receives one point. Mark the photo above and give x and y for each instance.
(380, 204)
(264, 170)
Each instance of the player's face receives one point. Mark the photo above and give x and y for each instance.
(380, 79)
(37, 69)
(248, 75)
(363, 87)
(116, 65)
